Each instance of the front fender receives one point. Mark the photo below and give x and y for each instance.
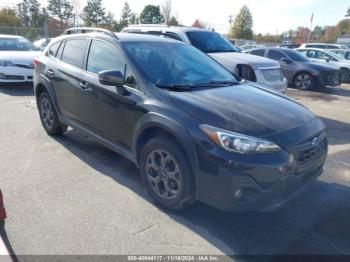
(154, 120)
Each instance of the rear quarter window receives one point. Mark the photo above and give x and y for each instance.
(53, 49)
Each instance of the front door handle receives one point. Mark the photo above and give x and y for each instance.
(50, 73)
(84, 86)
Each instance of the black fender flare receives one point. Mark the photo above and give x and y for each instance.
(154, 120)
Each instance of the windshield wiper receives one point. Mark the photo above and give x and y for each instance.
(176, 87)
(223, 82)
(220, 51)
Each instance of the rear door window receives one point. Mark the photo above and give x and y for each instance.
(276, 55)
(258, 52)
(53, 49)
(74, 52)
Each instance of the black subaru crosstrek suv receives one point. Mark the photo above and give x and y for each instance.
(195, 131)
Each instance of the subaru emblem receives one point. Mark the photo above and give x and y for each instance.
(315, 142)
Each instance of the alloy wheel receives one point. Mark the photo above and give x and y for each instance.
(303, 81)
(47, 114)
(163, 174)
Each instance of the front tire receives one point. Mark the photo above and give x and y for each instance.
(166, 174)
(49, 117)
(304, 81)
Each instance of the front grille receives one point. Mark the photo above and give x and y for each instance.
(311, 150)
(272, 75)
(330, 78)
(12, 77)
(29, 66)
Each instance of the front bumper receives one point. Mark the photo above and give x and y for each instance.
(256, 183)
(329, 79)
(13, 74)
(280, 86)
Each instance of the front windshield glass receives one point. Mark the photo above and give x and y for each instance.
(176, 64)
(16, 44)
(210, 42)
(296, 56)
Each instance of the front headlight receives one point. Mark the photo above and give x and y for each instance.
(239, 143)
(6, 63)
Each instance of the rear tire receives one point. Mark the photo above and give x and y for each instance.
(166, 174)
(304, 81)
(48, 116)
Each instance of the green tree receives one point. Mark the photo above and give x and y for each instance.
(8, 17)
(30, 13)
(125, 16)
(151, 15)
(318, 33)
(348, 12)
(173, 21)
(93, 13)
(243, 24)
(23, 13)
(61, 9)
(133, 19)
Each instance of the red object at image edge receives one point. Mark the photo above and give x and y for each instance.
(2, 208)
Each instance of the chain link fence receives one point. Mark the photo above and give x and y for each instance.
(30, 32)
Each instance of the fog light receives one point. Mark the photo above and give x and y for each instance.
(238, 193)
(290, 166)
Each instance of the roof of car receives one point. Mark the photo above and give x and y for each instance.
(122, 37)
(10, 36)
(169, 28)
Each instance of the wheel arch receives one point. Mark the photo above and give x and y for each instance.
(155, 125)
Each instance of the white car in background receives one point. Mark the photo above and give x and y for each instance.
(250, 47)
(17, 55)
(329, 57)
(324, 46)
(42, 43)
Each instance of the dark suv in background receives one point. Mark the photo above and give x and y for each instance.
(195, 131)
(299, 70)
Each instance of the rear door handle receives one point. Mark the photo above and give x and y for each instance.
(50, 73)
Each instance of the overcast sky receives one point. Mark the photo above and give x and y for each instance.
(269, 16)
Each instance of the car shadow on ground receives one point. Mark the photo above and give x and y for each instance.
(338, 131)
(314, 223)
(22, 90)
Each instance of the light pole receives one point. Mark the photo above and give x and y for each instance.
(46, 26)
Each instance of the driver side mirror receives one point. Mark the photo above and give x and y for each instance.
(113, 78)
(286, 60)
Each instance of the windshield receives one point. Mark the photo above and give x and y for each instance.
(210, 42)
(16, 44)
(296, 56)
(174, 65)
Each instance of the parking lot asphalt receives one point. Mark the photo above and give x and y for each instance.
(70, 195)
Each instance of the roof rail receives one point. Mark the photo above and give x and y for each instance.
(149, 25)
(85, 30)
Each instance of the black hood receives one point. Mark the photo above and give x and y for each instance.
(245, 108)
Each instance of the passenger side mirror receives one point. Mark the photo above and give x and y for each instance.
(113, 78)
(286, 60)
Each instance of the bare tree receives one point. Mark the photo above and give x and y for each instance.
(167, 11)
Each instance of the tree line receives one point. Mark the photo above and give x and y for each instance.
(30, 13)
(242, 28)
(61, 14)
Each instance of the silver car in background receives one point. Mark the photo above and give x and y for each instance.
(256, 69)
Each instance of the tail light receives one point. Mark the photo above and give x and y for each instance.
(36, 62)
